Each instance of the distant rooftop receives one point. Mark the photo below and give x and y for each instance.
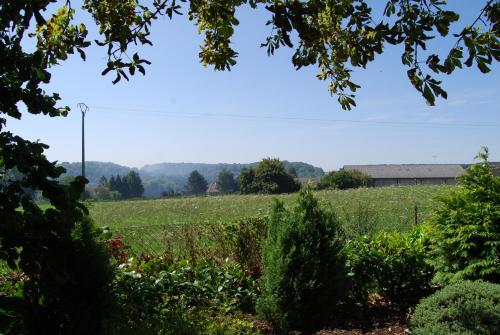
(390, 171)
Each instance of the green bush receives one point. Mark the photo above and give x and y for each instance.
(392, 264)
(466, 242)
(344, 179)
(72, 298)
(158, 296)
(244, 239)
(303, 267)
(464, 308)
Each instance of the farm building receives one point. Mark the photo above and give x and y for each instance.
(212, 189)
(410, 174)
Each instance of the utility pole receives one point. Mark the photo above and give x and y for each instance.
(84, 108)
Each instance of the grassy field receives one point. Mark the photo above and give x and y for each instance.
(391, 207)
(150, 225)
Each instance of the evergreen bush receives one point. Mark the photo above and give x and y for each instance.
(466, 308)
(303, 266)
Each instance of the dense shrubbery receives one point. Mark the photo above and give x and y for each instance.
(392, 264)
(66, 291)
(344, 179)
(269, 177)
(464, 308)
(467, 228)
(157, 296)
(303, 266)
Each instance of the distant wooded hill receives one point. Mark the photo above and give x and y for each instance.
(173, 176)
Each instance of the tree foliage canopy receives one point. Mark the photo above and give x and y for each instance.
(269, 177)
(344, 179)
(197, 184)
(226, 183)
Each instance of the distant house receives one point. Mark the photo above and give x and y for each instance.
(410, 174)
(212, 189)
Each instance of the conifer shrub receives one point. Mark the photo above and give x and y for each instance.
(304, 273)
(466, 239)
(464, 308)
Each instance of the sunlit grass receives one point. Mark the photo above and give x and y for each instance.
(392, 206)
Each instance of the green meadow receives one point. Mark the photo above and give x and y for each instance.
(149, 225)
(388, 208)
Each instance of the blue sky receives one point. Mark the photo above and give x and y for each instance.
(183, 112)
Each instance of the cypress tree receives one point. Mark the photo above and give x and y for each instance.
(122, 187)
(112, 183)
(134, 184)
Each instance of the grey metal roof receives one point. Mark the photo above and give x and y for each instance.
(389, 171)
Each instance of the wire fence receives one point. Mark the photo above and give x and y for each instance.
(193, 239)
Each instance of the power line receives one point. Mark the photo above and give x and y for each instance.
(296, 118)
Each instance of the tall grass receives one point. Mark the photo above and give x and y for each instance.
(386, 208)
(194, 225)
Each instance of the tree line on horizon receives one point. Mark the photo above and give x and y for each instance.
(271, 177)
(120, 187)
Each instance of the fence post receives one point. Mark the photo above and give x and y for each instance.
(415, 215)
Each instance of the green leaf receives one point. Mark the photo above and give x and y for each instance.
(483, 67)
(428, 95)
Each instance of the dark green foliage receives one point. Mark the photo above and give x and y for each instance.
(127, 187)
(197, 184)
(303, 266)
(392, 264)
(121, 187)
(344, 179)
(246, 179)
(269, 177)
(467, 227)
(134, 185)
(55, 248)
(112, 184)
(156, 296)
(226, 183)
(466, 308)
